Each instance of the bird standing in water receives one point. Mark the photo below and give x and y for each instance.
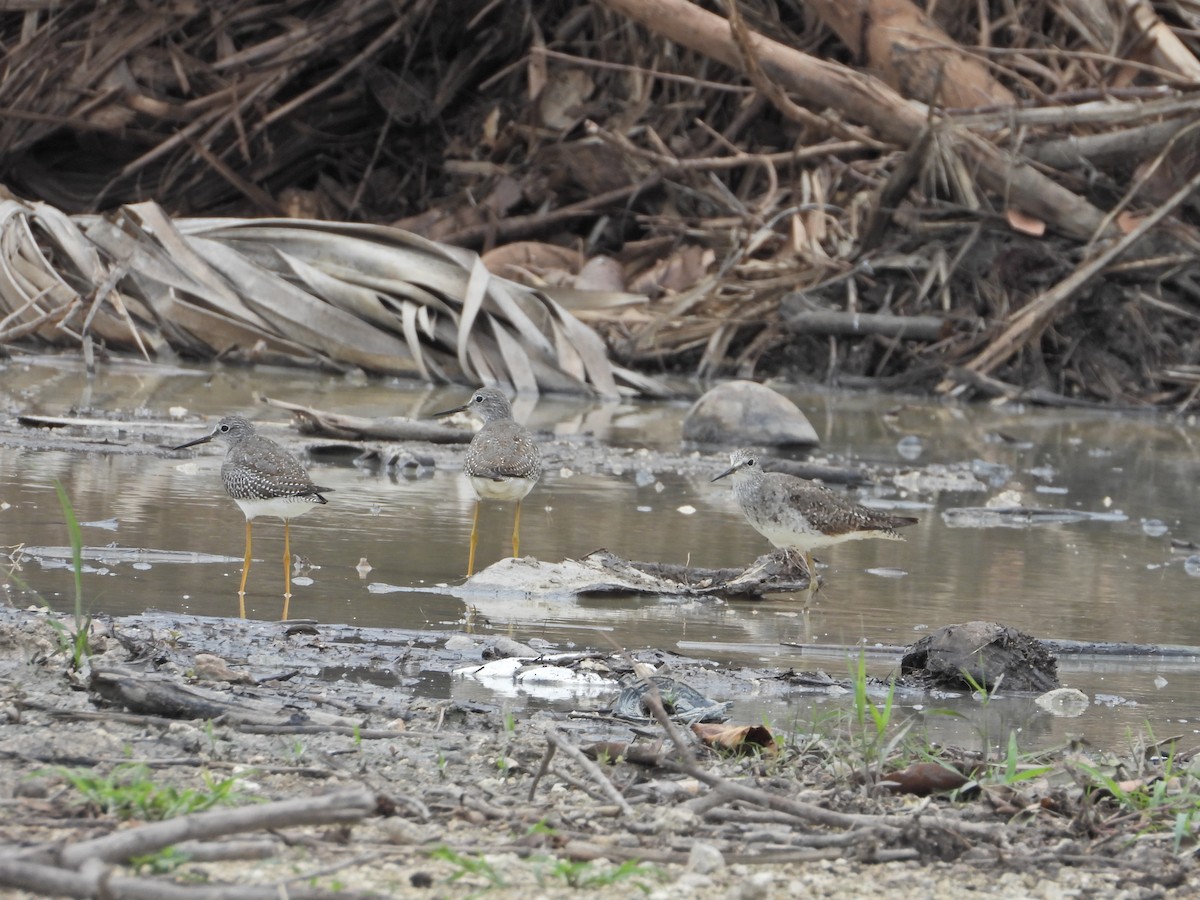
(264, 480)
(796, 514)
(503, 462)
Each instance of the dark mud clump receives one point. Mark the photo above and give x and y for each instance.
(981, 655)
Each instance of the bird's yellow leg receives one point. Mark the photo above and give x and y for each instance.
(287, 567)
(245, 572)
(474, 541)
(517, 532)
(812, 571)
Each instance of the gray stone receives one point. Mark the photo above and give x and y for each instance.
(745, 412)
(704, 859)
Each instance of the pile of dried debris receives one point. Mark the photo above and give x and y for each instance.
(987, 198)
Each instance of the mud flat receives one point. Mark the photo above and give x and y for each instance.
(349, 781)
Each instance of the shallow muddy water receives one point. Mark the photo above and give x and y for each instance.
(1113, 578)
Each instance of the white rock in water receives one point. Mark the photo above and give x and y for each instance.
(910, 447)
(1067, 702)
(1154, 527)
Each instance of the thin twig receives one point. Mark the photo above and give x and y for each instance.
(598, 776)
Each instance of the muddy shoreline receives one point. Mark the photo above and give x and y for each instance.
(469, 798)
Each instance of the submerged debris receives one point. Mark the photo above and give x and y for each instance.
(680, 701)
(603, 572)
(1022, 516)
(981, 656)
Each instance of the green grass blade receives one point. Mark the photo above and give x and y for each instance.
(76, 537)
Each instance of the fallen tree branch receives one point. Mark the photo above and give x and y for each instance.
(350, 805)
(164, 696)
(1106, 148)
(98, 881)
(358, 428)
(994, 387)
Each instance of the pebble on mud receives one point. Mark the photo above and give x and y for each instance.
(705, 859)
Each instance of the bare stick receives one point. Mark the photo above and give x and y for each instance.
(341, 806)
(592, 769)
(913, 328)
(98, 881)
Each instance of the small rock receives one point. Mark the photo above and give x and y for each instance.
(1067, 702)
(691, 884)
(33, 787)
(505, 646)
(398, 830)
(678, 820)
(704, 859)
(745, 412)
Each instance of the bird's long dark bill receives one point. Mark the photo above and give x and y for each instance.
(450, 412)
(199, 440)
(726, 472)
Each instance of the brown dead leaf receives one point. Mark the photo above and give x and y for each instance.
(520, 260)
(736, 737)
(1019, 221)
(1128, 221)
(924, 778)
(677, 272)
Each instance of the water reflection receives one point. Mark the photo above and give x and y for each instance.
(1117, 579)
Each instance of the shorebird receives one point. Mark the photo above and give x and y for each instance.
(503, 462)
(264, 480)
(796, 514)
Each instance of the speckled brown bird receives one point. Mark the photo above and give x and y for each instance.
(264, 480)
(503, 461)
(796, 514)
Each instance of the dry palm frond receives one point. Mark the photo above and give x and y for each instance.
(306, 292)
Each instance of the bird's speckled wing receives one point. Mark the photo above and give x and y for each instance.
(258, 468)
(830, 512)
(503, 450)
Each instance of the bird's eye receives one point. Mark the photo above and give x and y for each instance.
(479, 398)
(750, 461)
(224, 429)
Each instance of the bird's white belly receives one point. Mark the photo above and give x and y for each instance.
(505, 489)
(283, 507)
(809, 539)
